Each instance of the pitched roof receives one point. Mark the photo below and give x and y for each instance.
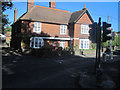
(53, 15)
(77, 15)
(45, 14)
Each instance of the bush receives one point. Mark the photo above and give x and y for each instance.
(67, 48)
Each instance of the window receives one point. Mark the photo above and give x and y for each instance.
(63, 29)
(36, 42)
(84, 29)
(37, 27)
(62, 44)
(84, 44)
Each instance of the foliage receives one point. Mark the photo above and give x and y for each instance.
(93, 45)
(75, 47)
(22, 44)
(67, 48)
(5, 6)
(7, 29)
(116, 41)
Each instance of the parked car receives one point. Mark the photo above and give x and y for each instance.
(2, 37)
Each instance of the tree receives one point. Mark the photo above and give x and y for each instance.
(7, 29)
(5, 6)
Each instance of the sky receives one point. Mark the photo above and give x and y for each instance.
(96, 9)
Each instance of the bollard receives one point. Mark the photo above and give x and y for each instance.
(104, 57)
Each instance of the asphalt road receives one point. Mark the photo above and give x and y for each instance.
(34, 72)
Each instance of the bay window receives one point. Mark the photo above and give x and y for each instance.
(62, 44)
(36, 42)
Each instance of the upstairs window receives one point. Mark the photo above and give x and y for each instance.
(84, 29)
(63, 29)
(37, 27)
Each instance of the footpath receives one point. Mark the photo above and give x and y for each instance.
(107, 76)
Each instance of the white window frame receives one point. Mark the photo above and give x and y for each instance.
(62, 44)
(37, 27)
(36, 44)
(63, 29)
(84, 29)
(85, 45)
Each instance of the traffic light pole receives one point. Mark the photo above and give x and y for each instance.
(99, 42)
(98, 69)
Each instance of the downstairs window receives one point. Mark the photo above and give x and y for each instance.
(36, 42)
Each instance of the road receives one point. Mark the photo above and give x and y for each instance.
(34, 72)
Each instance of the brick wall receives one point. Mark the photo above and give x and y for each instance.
(77, 29)
(47, 29)
(53, 30)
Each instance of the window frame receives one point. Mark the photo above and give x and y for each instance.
(84, 29)
(85, 45)
(39, 44)
(62, 43)
(63, 29)
(37, 27)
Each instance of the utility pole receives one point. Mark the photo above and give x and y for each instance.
(108, 19)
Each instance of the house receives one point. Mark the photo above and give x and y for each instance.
(48, 26)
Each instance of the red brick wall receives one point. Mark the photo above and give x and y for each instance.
(71, 30)
(53, 30)
(27, 26)
(54, 43)
(77, 28)
(16, 37)
(47, 29)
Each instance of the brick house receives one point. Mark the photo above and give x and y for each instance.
(48, 26)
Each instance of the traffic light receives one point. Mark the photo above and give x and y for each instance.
(106, 31)
(92, 32)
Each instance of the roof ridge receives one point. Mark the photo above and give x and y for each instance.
(80, 15)
(77, 11)
(52, 8)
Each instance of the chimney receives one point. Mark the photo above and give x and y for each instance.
(52, 4)
(15, 14)
(30, 4)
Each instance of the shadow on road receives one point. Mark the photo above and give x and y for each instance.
(26, 71)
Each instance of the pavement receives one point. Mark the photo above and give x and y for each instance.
(3, 44)
(24, 71)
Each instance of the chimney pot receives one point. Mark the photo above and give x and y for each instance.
(30, 4)
(52, 4)
(15, 14)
